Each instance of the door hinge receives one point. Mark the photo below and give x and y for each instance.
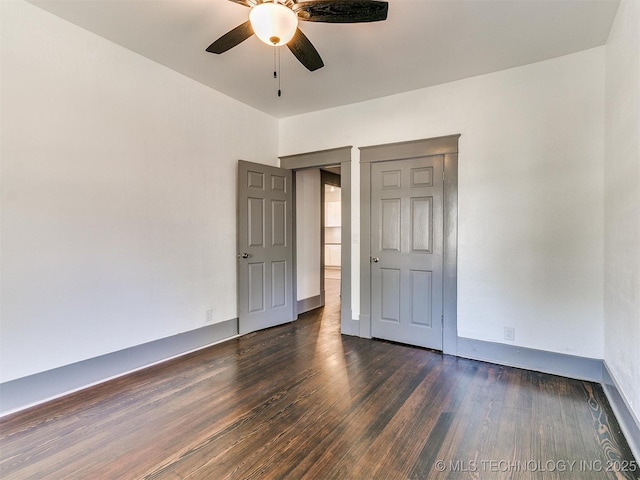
(442, 320)
(443, 175)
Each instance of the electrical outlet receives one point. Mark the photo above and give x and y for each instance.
(209, 318)
(509, 333)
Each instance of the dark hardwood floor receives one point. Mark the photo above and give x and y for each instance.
(302, 401)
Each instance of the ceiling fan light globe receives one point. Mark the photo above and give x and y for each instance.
(273, 23)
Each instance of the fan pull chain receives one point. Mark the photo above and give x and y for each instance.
(276, 68)
(279, 75)
(275, 73)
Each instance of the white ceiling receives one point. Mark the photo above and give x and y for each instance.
(422, 43)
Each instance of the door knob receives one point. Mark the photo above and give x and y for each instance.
(375, 259)
(244, 255)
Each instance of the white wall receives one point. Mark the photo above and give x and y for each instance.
(308, 233)
(622, 203)
(118, 196)
(530, 192)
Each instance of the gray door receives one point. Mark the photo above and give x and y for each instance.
(265, 250)
(406, 251)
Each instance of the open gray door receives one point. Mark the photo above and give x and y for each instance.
(265, 246)
(407, 251)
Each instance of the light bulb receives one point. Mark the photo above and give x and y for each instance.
(273, 23)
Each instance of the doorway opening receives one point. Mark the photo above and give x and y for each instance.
(331, 235)
(314, 161)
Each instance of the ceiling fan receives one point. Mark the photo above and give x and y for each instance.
(275, 22)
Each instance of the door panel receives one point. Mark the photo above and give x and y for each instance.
(421, 288)
(421, 224)
(265, 246)
(390, 224)
(255, 222)
(390, 294)
(256, 286)
(279, 223)
(407, 242)
(278, 284)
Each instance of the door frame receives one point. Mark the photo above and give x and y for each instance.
(325, 158)
(448, 147)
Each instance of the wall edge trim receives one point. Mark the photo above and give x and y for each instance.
(629, 424)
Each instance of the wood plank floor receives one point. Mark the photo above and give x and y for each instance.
(302, 401)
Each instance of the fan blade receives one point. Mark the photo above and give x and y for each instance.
(232, 38)
(305, 52)
(253, 3)
(246, 3)
(342, 11)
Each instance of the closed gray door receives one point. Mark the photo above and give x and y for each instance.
(265, 250)
(406, 251)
